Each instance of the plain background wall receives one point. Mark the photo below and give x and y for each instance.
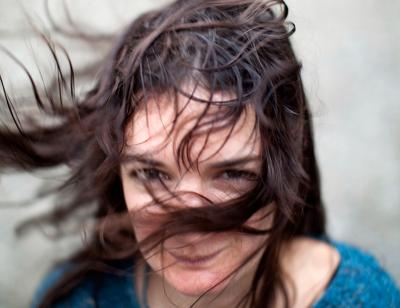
(351, 56)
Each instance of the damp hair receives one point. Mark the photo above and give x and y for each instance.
(230, 46)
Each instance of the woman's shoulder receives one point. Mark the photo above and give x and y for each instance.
(97, 289)
(359, 280)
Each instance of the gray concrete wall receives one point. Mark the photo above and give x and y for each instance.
(351, 56)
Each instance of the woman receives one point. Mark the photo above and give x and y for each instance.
(195, 153)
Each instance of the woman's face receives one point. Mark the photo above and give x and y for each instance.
(192, 263)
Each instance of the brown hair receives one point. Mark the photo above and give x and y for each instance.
(236, 46)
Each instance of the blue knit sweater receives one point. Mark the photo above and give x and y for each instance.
(359, 281)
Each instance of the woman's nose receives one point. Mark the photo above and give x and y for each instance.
(190, 192)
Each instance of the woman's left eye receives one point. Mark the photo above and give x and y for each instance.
(238, 175)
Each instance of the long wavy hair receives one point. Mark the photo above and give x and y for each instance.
(239, 47)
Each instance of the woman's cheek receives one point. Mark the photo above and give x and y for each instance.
(136, 205)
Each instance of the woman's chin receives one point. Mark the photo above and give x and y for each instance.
(196, 283)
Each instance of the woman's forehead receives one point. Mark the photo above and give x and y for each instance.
(158, 129)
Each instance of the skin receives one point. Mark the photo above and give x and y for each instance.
(174, 281)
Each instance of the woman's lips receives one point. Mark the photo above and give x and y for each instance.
(195, 261)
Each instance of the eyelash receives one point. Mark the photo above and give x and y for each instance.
(149, 175)
(152, 175)
(238, 175)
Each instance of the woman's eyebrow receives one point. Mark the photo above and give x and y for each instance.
(227, 163)
(142, 158)
(233, 162)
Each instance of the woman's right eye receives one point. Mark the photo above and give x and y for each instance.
(149, 175)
